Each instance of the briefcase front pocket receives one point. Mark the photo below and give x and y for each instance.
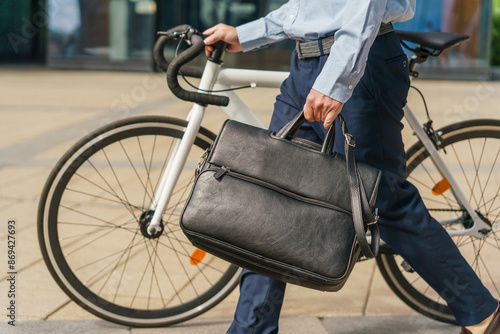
(278, 233)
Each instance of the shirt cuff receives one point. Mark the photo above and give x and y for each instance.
(257, 34)
(251, 35)
(335, 83)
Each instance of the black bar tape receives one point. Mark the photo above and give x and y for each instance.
(160, 60)
(173, 83)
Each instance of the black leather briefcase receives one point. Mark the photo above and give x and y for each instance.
(284, 207)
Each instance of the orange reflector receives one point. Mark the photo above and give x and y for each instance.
(197, 256)
(441, 187)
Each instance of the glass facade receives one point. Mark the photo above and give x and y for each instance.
(121, 33)
(101, 33)
(22, 30)
(471, 17)
(204, 14)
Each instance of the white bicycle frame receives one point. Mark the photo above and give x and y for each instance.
(219, 79)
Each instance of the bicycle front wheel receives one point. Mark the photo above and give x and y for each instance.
(471, 151)
(92, 222)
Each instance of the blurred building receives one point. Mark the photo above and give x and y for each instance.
(119, 34)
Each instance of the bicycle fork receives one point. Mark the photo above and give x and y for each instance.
(479, 227)
(181, 151)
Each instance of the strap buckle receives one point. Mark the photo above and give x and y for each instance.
(375, 217)
(349, 139)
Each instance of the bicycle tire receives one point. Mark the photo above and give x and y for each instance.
(91, 221)
(476, 140)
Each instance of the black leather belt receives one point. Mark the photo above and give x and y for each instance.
(322, 46)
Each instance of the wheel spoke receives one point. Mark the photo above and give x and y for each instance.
(476, 167)
(465, 176)
(108, 268)
(124, 202)
(109, 186)
(492, 202)
(144, 187)
(147, 170)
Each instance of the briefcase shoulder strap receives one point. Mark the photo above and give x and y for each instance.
(362, 215)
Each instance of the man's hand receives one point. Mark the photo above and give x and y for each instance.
(320, 107)
(222, 32)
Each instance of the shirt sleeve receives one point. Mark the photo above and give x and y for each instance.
(347, 61)
(264, 31)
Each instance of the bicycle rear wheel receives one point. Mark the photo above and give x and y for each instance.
(92, 223)
(471, 151)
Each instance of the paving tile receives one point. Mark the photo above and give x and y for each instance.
(383, 301)
(348, 301)
(63, 327)
(78, 89)
(194, 326)
(37, 293)
(31, 119)
(71, 311)
(14, 175)
(26, 249)
(301, 325)
(387, 325)
(28, 184)
(288, 325)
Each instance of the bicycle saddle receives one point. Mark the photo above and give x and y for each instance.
(433, 40)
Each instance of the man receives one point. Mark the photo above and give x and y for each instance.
(364, 74)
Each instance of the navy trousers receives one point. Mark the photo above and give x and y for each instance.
(373, 115)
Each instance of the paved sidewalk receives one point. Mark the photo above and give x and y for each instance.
(44, 112)
(288, 325)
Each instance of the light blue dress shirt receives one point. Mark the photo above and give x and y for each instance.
(355, 24)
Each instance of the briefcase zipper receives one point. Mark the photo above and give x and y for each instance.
(221, 171)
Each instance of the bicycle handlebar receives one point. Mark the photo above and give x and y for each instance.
(175, 66)
(160, 44)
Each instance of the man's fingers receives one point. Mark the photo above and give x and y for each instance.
(213, 38)
(208, 50)
(329, 120)
(211, 30)
(210, 40)
(319, 107)
(318, 114)
(308, 113)
(222, 32)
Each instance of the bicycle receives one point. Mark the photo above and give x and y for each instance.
(108, 215)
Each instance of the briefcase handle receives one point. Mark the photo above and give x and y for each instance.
(293, 126)
(363, 217)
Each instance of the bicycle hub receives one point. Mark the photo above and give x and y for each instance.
(145, 221)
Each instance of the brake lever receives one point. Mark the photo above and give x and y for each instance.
(176, 34)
